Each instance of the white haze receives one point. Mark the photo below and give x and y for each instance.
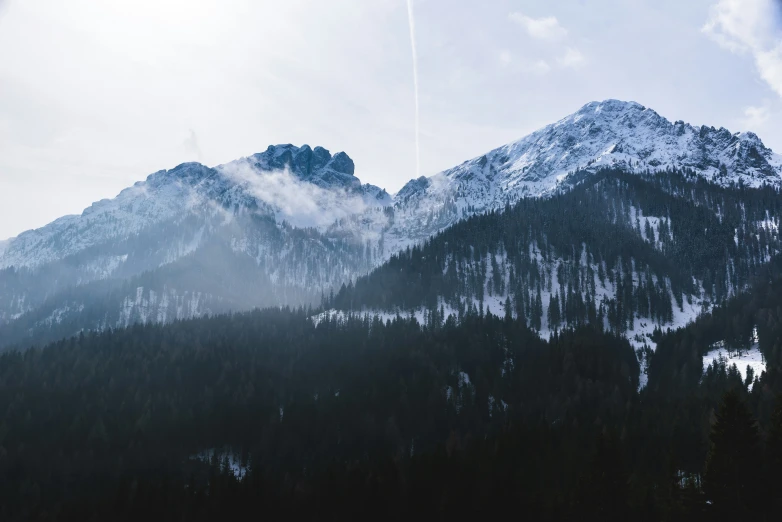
(95, 95)
(298, 202)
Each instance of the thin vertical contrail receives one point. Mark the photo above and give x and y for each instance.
(411, 21)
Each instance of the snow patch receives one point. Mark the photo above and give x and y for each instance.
(741, 358)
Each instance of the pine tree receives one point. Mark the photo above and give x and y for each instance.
(730, 480)
(508, 310)
(537, 314)
(773, 459)
(554, 317)
(603, 493)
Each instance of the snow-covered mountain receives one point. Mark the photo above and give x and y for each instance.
(303, 186)
(258, 231)
(289, 224)
(611, 133)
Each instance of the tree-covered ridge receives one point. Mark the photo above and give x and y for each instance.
(616, 248)
(450, 417)
(348, 416)
(294, 395)
(676, 369)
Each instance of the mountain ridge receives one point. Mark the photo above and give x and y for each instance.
(287, 225)
(178, 190)
(611, 133)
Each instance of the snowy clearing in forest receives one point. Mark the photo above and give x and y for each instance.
(751, 357)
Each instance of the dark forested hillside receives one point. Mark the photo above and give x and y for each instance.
(358, 418)
(326, 415)
(618, 249)
(681, 387)
(296, 397)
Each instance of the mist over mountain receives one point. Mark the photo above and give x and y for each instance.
(292, 224)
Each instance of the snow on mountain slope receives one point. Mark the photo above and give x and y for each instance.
(259, 231)
(611, 133)
(298, 221)
(303, 186)
(311, 188)
(135, 208)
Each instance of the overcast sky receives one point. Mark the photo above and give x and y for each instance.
(95, 95)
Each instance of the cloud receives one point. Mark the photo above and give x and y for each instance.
(191, 146)
(298, 202)
(540, 67)
(755, 117)
(547, 28)
(550, 30)
(770, 66)
(750, 27)
(573, 59)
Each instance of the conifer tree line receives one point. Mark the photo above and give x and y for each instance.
(350, 416)
(299, 400)
(616, 248)
(337, 416)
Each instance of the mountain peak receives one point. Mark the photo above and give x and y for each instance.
(610, 105)
(191, 187)
(609, 133)
(316, 165)
(628, 135)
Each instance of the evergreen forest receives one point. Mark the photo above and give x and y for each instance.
(542, 408)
